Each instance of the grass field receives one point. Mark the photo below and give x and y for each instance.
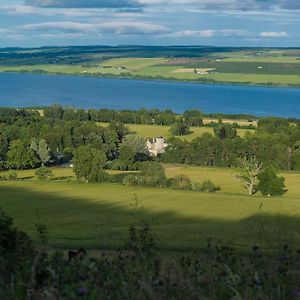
(151, 131)
(98, 215)
(245, 67)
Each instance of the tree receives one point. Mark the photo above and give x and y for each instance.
(224, 131)
(89, 164)
(41, 149)
(296, 161)
(179, 129)
(20, 155)
(270, 184)
(132, 149)
(126, 158)
(193, 117)
(249, 170)
(135, 142)
(153, 174)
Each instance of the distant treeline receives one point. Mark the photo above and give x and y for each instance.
(192, 117)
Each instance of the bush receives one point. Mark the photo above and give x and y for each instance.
(44, 173)
(9, 176)
(16, 255)
(208, 186)
(141, 239)
(131, 180)
(196, 186)
(181, 182)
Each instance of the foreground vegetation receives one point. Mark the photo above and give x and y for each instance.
(197, 64)
(212, 272)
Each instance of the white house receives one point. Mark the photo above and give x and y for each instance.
(156, 146)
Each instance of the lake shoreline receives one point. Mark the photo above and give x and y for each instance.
(154, 79)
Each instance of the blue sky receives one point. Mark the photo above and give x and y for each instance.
(31, 23)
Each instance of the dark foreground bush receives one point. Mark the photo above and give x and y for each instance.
(216, 271)
(16, 260)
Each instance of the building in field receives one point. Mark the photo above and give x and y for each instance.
(156, 146)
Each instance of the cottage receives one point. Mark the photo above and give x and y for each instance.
(156, 146)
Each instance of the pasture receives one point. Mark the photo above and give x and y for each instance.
(99, 215)
(272, 67)
(151, 131)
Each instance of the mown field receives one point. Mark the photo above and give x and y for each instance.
(151, 131)
(267, 67)
(99, 215)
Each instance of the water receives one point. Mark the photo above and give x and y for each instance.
(23, 90)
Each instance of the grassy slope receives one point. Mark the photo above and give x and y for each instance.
(98, 215)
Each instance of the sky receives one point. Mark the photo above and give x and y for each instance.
(34, 23)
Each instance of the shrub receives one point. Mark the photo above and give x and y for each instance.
(16, 255)
(44, 173)
(131, 180)
(208, 186)
(9, 176)
(196, 186)
(181, 182)
(141, 239)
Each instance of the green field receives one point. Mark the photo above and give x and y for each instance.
(256, 66)
(151, 131)
(98, 215)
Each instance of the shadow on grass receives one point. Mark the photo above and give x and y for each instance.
(76, 222)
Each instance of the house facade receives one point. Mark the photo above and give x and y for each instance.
(156, 146)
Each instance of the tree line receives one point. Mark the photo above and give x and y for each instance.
(275, 142)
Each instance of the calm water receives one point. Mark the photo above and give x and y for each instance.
(21, 90)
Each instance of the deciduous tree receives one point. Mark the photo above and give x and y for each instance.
(249, 170)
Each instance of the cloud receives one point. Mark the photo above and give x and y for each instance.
(211, 33)
(11, 34)
(4, 31)
(68, 12)
(215, 5)
(115, 27)
(274, 34)
(84, 3)
(237, 5)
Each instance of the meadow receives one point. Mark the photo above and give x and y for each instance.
(256, 66)
(151, 131)
(99, 215)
